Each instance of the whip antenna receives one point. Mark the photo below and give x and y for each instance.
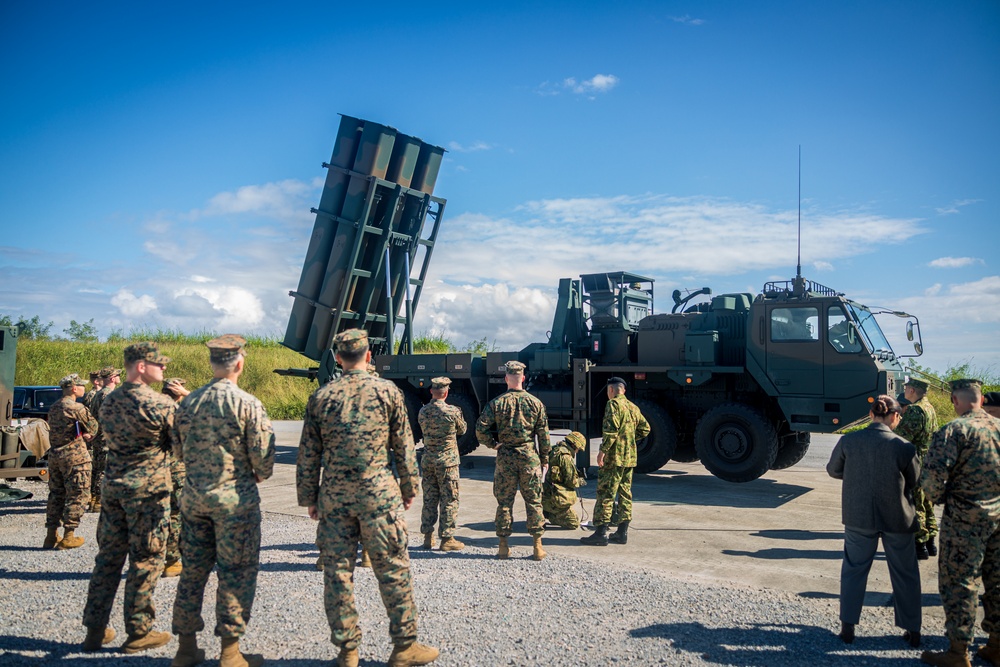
(798, 265)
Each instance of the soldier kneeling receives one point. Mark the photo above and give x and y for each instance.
(562, 481)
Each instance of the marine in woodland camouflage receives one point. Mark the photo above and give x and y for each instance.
(442, 424)
(561, 482)
(351, 424)
(623, 425)
(98, 446)
(69, 463)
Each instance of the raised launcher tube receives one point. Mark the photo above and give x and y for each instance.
(376, 199)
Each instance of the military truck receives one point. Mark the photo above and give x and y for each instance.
(739, 381)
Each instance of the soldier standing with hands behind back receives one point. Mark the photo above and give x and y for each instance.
(918, 426)
(442, 425)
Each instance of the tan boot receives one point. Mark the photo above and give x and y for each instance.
(231, 656)
(348, 657)
(95, 506)
(451, 544)
(188, 653)
(366, 561)
(991, 652)
(414, 654)
(152, 639)
(504, 551)
(96, 638)
(51, 538)
(173, 569)
(69, 540)
(539, 553)
(428, 540)
(956, 656)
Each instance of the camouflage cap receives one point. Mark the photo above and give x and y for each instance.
(514, 368)
(167, 382)
(577, 440)
(109, 372)
(966, 383)
(72, 380)
(95, 374)
(916, 384)
(991, 398)
(225, 348)
(147, 351)
(351, 340)
(440, 383)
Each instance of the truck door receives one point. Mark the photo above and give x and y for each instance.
(794, 349)
(849, 368)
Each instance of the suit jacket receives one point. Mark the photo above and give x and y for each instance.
(880, 472)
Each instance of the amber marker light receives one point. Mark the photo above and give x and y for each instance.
(640, 376)
(871, 399)
(688, 380)
(835, 421)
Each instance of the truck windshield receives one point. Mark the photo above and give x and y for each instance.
(870, 330)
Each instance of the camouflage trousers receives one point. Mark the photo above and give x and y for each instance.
(969, 547)
(132, 525)
(440, 490)
(926, 522)
(100, 454)
(178, 476)
(558, 508)
(384, 536)
(611, 481)
(69, 485)
(513, 473)
(233, 543)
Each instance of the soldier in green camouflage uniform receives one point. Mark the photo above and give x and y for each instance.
(918, 426)
(562, 481)
(110, 379)
(962, 470)
(136, 503)
(226, 442)
(88, 398)
(442, 425)
(342, 477)
(518, 419)
(172, 566)
(623, 425)
(70, 426)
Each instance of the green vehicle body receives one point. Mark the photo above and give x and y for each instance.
(739, 381)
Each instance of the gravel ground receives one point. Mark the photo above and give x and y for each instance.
(477, 610)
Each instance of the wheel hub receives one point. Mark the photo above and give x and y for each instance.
(732, 443)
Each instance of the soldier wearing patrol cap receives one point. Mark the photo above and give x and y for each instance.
(95, 384)
(962, 471)
(562, 481)
(224, 439)
(174, 388)
(110, 379)
(70, 427)
(442, 425)
(343, 478)
(918, 426)
(522, 429)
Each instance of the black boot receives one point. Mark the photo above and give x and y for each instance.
(620, 536)
(922, 553)
(846, 633)
(931, 546)
(599, 538)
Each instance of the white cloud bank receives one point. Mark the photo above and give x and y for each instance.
(954, 262)
(589, 88)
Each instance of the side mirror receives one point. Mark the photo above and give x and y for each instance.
(909, 331)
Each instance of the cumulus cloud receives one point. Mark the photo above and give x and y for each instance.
(281, 200)
(822, 266)
(133, 306)
(954, 262)
(233, 308)
(599, 83)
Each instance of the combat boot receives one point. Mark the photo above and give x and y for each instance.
(51, 538)
(414, 654)
(957, 655)
(231, 656)
(429, 540)
(922, 553)
(152, 639)
(348, 657)
(991, 652)
(620, 536)
(539, 552)
(451, 544)
(95, 506)
(188, 653)
(366, 560)
(96, 638)
(69, 540)
(599, 538)
(172, 569)
(931, 546)
(319, 563)
(503, 552)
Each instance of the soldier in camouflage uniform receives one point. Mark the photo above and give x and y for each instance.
(918, 426)
(351, 424)
(95, 386)
(110, 379)
(70, 427)
(962, 470)
(991, 403)
(442, 425)
(134, 520)
(562, 481)
(172, 566)
(226, 442)
(518, 419)
(623, 425)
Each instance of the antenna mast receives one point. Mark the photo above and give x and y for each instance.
(799, 284)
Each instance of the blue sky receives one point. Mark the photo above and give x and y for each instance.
(158, 163)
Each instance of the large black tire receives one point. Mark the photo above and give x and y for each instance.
(735, 442)
(413, 405)
(685, 453)
(792, 449)
(653, 451)
(468, 442)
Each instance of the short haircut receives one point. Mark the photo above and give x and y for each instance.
(969, 394)
(229, 365)
(353, 356)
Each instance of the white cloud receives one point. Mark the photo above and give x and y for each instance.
(822, 266)
(686, 20)
(132, 306)
(233, 308)
(954, 262)
(933, 290)
(275, 200)
(599, 83)
(474, 147)
(954, 207)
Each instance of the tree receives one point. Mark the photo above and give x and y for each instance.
(83, 332)
(32, 328)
